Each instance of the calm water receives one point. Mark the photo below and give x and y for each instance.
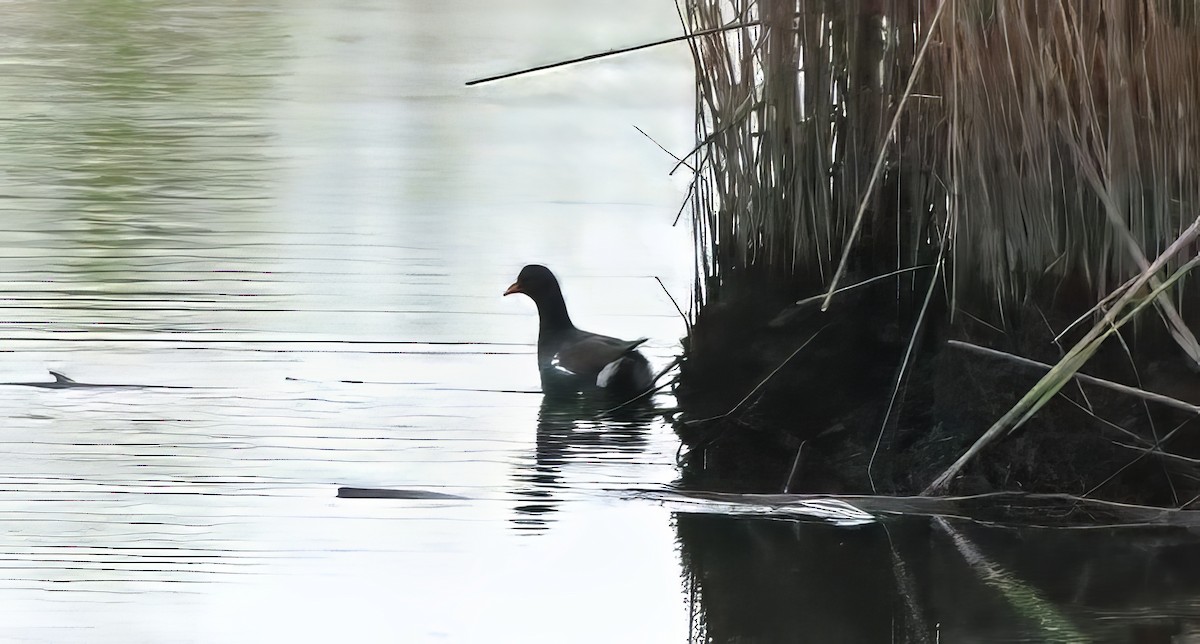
(289, 224)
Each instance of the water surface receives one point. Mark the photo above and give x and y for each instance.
(296, 213)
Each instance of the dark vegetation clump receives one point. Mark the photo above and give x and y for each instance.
(833, 395)
(893, 214)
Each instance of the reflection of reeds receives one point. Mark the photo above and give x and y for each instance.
(1054, 139)
(1024, 599)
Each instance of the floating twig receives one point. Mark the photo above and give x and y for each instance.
(611, 52)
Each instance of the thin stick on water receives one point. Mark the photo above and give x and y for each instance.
(611, 52)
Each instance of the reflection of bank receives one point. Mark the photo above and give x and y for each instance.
(766, 580)
(909, 580)
(579, 430)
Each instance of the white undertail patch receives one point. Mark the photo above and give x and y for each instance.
(606, 374)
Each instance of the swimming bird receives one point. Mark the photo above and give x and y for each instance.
(567, 354)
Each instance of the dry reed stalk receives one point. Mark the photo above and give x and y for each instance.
(1082, 377)
(775, 106)
(598, 55)
(1065, 129)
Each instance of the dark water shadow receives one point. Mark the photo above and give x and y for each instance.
(580, 429)
(923, 579)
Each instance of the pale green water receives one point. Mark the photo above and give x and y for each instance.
(296, 212)
(260, 200)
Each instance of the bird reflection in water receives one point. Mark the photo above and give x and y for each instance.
(580, 430)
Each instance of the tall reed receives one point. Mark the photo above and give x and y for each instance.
(1048, 140)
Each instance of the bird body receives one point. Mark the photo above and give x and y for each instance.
(567, 353)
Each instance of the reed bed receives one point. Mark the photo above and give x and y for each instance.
(1020, 147)
(1050, 138)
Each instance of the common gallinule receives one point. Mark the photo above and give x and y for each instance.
(567, 354)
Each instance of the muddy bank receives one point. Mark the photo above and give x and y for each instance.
(821, 423)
